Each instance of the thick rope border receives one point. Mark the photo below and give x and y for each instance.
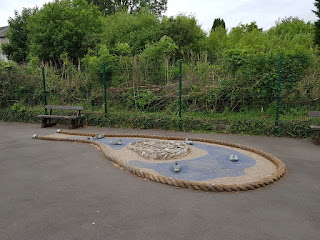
(281, 169)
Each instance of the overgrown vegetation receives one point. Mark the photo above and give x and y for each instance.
(230, 77)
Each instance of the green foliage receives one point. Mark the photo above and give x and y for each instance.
(229, 79)
(218, 23)
(290, 35)
(108, 7)
(17, 48)
(185, 32)
(63, 27)
(295, 128)
(317, 23)
(122, 49)
(255, 77)
(247, 37)
(94, 61)
(295, 67)
(69, 85)
(162, 49)
(136, 30)
(216, 43)
(9, 115)
(9, 66)
(125, 119)
(17, 84)
(18, 107)
(143, 29)
(250, 27)
(140, 99)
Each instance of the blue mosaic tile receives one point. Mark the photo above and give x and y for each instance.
(213, 165)
(107, 141)
(125, 142)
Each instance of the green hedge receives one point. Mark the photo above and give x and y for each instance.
(258, 126)
(8, 115)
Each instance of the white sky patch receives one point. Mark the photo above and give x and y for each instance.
(234, 12)
(7, 8)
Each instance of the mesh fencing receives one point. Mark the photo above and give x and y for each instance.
(300, 93)
(236, 93)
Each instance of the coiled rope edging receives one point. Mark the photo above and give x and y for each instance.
(281, 169)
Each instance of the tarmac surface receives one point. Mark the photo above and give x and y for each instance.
(59, 190)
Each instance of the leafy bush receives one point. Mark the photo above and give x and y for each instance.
(63, 27)
(18, 84)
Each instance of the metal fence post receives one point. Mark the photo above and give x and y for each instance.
(180, 89)
(105, 91)
(278, 97)
(44, 90)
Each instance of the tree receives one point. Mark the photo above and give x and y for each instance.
(185, 32)
(132, 6)
(291, 34)
(94, 59)
(64, 27)
(317, 23)
(136, 30)
(246, 36)
(216, 42)
(164, 48)
(17, 48)
(218, 22)
(250, 27)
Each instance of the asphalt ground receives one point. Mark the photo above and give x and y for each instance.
(59, 190)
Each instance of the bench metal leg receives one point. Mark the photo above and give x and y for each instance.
(81, 122)
(46, 123)
(76, 124)
(73, 124)
(317, 137)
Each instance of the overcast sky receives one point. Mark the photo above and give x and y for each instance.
(264, 12)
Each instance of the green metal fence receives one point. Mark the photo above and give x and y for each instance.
(250, 94)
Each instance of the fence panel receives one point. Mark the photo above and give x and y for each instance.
(235, 94)
(300, 93)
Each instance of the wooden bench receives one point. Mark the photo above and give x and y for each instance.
(76, 120)
(315, 127)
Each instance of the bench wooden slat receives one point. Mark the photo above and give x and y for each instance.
(315, 127)
(78, 108)
(58, 117)
(314, 114)
(76, 120)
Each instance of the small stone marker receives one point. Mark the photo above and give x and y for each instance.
(233, 158)
(100, 136)
(188, 142)
(176, 168)
(116, 142)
